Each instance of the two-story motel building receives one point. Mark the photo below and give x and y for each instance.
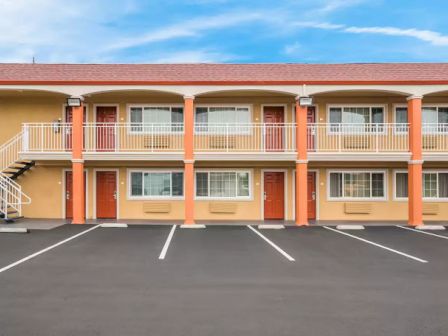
(225, 142)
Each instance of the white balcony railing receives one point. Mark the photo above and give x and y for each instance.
(47, 137)
(255, 137)
(358, 137)
(250, 138)
(133, 137)
(435, 137)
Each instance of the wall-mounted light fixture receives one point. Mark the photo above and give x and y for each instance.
(74, 101)
(305, 101)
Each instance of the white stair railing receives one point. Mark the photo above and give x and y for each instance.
(9, 151)
(11, 197)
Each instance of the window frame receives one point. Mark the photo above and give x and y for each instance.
(426, 199)
(210, 198)
(355, 199)
(146, 170)
(171, 106)
(369, 106)
(227, 105)
(395, 106)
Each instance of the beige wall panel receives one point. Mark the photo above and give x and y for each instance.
(44, 186)
(21, 109)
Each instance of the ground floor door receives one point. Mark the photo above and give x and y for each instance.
(69, 194)
(274, 195)
(106, 194)
(311, 195)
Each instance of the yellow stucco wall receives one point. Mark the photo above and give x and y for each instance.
(382, 210)
(44, 184)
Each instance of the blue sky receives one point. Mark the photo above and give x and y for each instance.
(186, 31)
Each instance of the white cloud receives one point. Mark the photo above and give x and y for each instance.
(433, 37)
(333, 5)
(192, 56)
(292, 49)
(188, 28)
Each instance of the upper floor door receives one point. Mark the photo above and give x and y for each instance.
(274, 118)
(106, 117)
(68, 131)
(311, 135)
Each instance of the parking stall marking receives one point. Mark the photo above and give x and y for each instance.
(31, 256)
(167, 243)
(377, 245)
(420, 231)
(282, 252)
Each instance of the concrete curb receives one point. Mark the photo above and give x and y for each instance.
(350, 227)
(14, 230)
(270, 227)
(114, 225)
(192, 226)
(431, 227)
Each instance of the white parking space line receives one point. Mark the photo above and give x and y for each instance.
(286, 255)
(46, 249)
(167, 243)
(377, 245)
(420, 231)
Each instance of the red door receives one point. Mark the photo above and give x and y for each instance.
(68, 131)
(312, 195)
(311, 120)
(106, 117)
(273, 123)
(106, 194)
(69, 194)
(274, 195)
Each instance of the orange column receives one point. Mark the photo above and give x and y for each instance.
(415, 166)
(301, 165)
(189, 158)
(78, 166)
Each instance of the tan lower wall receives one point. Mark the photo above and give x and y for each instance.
(45, 185)
(387, 210)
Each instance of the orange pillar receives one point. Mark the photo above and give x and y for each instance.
(189, 158)
(415, 166)
(78, 166)
(301, 165)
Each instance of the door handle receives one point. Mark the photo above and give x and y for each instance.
(67, 195)
(115, 195)
(313, 195)
(265, 195)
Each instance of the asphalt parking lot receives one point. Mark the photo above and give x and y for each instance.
(223, 280)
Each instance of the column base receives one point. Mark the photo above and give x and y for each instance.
(302, 224)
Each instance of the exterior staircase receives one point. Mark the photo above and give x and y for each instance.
(11, 168)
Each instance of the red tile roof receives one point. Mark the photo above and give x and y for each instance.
(399, 73)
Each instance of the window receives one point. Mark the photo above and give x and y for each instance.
(435, 185)
(352, 119)
(401, 120)
(357, 185)
(223, 184)
(153, 119)
(223, 120)
(156, 184)
(434, 119)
